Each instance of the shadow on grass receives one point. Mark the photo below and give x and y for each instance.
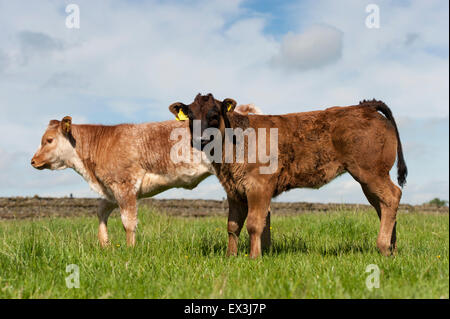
(345, 248)
(213, 246)
(287, 245)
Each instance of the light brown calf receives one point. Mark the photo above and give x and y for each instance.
(313, 148)
(122, 163)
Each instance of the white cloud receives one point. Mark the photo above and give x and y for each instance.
(342, 190)
(316, 47)
(208, 189)
(421, 193)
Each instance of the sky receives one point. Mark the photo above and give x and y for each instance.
(130, 60)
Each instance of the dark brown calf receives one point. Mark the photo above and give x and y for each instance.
(313, 148)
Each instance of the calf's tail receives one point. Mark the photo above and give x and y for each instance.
(402, 170)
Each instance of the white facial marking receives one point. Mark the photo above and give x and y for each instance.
(65, 156)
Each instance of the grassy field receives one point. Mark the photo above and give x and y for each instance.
(313, 256)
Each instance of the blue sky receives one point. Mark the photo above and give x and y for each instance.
(131, 59)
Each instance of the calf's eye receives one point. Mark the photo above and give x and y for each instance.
(49, 140)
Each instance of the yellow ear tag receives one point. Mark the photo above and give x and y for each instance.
(229, 107)
(181, 116)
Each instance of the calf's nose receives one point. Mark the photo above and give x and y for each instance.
(33, 162)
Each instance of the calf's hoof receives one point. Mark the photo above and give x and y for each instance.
(105, 244)
(388, 250)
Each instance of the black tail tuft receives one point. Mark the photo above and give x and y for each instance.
(402, 170)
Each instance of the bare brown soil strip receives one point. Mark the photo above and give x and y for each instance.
(37, 207)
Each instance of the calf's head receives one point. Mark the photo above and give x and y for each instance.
(211, 112)
(57, 146)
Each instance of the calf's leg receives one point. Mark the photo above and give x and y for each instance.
(104, 210)
(127, 201)
(237, 212)
(265, 236)
(258, 205)
(384, 196)
(236, 217)
(129, 221)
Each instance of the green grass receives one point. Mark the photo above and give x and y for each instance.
(313, 256)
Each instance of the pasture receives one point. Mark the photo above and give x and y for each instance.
(314, 255)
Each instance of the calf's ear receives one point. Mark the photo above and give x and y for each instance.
(228, 105)
(179, 110)
(66, 125)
